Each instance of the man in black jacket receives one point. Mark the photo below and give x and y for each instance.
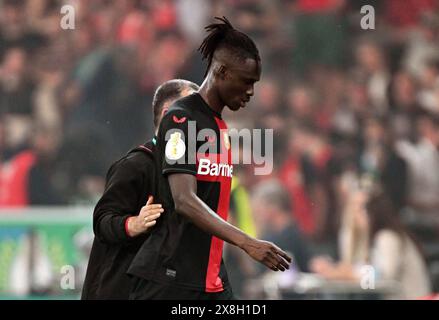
(126, 212)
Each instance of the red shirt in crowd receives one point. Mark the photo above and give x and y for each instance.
(14, 179)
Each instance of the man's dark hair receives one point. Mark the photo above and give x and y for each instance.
(170, 90)
(224, 36)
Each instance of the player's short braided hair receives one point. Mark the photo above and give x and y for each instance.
(223, 35)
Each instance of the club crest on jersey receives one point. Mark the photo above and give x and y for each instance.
(175, 147)
(177, 120)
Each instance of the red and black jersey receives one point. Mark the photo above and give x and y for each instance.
(192, 139)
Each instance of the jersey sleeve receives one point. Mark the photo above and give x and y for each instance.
(177, 143)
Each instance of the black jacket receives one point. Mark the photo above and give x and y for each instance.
(129, 182)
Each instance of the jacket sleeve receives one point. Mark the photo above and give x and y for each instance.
(121, 199)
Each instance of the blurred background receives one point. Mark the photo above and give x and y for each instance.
(355, 115)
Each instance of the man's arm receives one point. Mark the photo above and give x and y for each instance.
(187, 203)
(116, 218)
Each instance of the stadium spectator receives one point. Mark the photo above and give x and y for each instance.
(272, 205)
(378, 160)
(423, 159)
(378, 238)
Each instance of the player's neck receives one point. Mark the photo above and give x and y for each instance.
(210, 96)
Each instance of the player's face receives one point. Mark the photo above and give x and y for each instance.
(238, 84)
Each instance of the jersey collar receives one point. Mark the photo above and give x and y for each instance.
(207, 107)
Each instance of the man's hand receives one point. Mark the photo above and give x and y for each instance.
(146, 219)
(268, 254)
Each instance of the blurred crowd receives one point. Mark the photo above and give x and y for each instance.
(353, 111)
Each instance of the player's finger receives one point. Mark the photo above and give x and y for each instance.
(280, 267)
(271, 266)
(273, 262)
(150, 200)
(284, 263)
(282, 253)
(280, 262)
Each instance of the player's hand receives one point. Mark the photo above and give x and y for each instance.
(146, 219)
(268, 254)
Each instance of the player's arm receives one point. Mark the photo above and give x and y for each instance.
(187, 203)
(116, 218)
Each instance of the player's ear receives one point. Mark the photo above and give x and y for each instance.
(164, 111)
(221, 72)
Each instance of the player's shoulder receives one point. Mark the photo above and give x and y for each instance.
(188, 102)
(137, 160)
(185, 106)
